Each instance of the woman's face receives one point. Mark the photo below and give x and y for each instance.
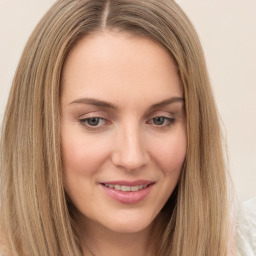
(123, 130)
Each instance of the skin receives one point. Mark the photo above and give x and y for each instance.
(137, 133)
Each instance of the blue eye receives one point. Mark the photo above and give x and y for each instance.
(92, 121)
(159, 120)
(162, 121)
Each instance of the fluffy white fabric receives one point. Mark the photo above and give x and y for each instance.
(246, 229)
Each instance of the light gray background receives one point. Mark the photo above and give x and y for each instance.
(227, 29)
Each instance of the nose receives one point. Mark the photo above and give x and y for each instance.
(130, 150)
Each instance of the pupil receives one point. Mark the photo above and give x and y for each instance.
(158, 120)
(93, 121)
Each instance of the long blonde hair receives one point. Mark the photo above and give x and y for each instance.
(35, 216)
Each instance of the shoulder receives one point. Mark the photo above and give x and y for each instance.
(246, 228)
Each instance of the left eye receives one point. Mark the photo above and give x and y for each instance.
(161, 121)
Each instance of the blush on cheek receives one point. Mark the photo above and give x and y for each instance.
(172, 156)
(81, 157)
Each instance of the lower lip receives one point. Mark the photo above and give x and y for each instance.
(131, 197)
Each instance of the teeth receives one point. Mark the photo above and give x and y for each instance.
(117, 187)
(135, 188)
(125, 188)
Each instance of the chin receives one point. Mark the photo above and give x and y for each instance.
(129, 224)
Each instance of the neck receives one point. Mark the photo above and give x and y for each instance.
(97, 240)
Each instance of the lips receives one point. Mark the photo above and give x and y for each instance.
(125, 188)
(128, 192)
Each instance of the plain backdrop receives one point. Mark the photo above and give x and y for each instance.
(227, 29)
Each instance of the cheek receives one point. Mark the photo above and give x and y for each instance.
(82, 155)
(170, 153)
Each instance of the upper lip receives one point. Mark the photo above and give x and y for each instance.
(128, 183)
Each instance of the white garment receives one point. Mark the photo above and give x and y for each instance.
(246, 229)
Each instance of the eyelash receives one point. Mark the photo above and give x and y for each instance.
(167, 122)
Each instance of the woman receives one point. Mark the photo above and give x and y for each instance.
(111, 142)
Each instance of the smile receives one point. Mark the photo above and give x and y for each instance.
(128, 192)
(125, 188)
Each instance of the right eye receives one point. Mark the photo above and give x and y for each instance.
(93, 122)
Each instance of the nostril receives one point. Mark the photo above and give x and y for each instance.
(132, 161)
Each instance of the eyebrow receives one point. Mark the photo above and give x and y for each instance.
(95, 102)
(167, 102)
(104, 104)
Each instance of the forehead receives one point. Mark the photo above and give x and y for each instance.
(112, 63)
